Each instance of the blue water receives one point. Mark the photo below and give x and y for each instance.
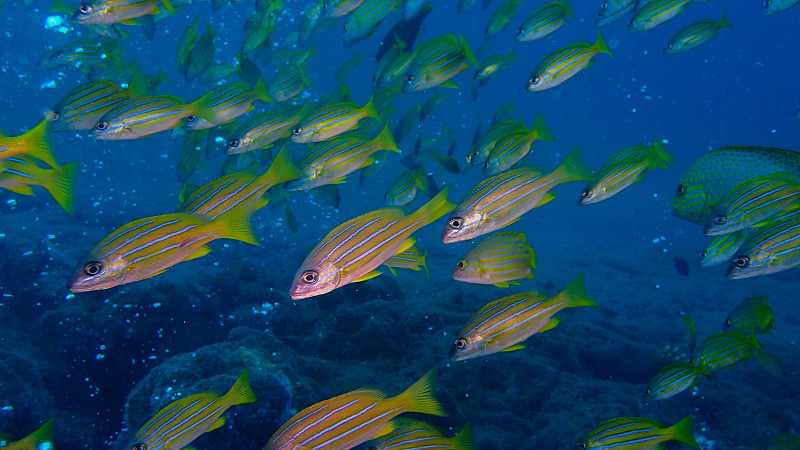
(78, 357)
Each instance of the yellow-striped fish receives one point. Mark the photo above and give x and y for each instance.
(404, 189)
(228, 102)
(722, 248)
(41, 439)
(150, 246)
(18, 174)
(724, 350)
(182, 421)
(623, 169)
(437, 61)
(412, 434)
(353, 250)
(675, 378)
(612, 10)
(142, 116)
(410, 259)
(485, 143)
(656, 12)
(118, 11)
(33, 142)
(628, 433)
(332, 120)
(770, 248)
(753, 315)
(544, 20)
(338, 8)
(563, 64)
(502, 199)
(512, 147)
(717, 172)
(501, 17)
(289, 82)
(343, 422)
(84, 54)
(227, 193)
(262, 130)
(503, 324)
(754, 201)
(83, 106)
(696, 34)
(364, 20)
(498, 259)
(330, 162)
(783, 441)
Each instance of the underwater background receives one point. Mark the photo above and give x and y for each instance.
(102, 363)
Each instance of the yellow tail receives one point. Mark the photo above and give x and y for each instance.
(420, 397)
(236, 224)
(60, 185)
(436, 207)
(37, 144)
(240, 392)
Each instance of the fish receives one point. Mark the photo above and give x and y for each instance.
(364, 20)
(430, 104)
(410, 259)
(339, 8)
(753, 315)
(561, 65)
(681, 266)
(228, 102)
(754, 201)
(264, 129)
(437, 61)
(147, 247)
(655, 12)
(626, 433)
(143, 116)
(768, 249)
(463, 5)
(725, 350)
(84, 105)
(228, 192)
(413, 434)
(118, 11)
(392, 67)
(33, 142)
(308, 21)
(332, 120)
(353, 250)
(19, 173)
(347, 420)
(181, 422)
(500, 18)
(503, 325)
(84, 55)
(696, 34)
(513, 147)
(201, 54)
(722, 248)
(673, 379)
(406, 31)
(714, 174)
(612, 10)
(485, 143)
(190, 155)
(498, 259)
(775, 6)
(623, 169)
(502, 199)
(784, 441)
(330, 162)
(691, 333)
(545, 20)
(408, 123)
(290, 81)
(41, 439)
(489, 68)
(404, 189)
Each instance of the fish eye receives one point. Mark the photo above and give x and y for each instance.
(703, 255)
(297, 131)
(310, 277)
(632, 21)
(456, 223)
(460, 343)
(92, 268)
(742, 262)
(767, 3)
(586, 194)
(58, 54)
(139, 446)
(86, 9)
(190, 118)
(534, 80)
(581, 445)
(681, 190)
(462, 264)
(102, 125)
(669, 46)
(234, 143)
(720, 219)
(409, 79)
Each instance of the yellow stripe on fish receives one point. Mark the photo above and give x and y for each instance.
(503, 324)
(18, 174)
(353, 250)
(332, 120)
(770, 248)
(437, 61)
(673, 379)
(498, 259)
(350, 419)
(565, 63)
(412, 434)
(628, 433)
(33, 142)
(142, 116)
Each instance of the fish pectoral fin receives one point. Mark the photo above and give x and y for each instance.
(367, 276)
(341, 180)
(518, 346)
(546, 199)
(130, 22)
(449, 84)
(393, 271)
(200, 252)
(388, 428)
(24, 190)
(551, 324)
(407, 244)
(220, 422)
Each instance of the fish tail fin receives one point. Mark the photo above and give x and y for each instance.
(261, 92)
(512, 56)
(420, 397)
(567, 9)
(42, 434)
(660, 149)
(724, 22)
(240, 392)
(38, 145)
(532, 254)
(772, 363)
(236, 224)
(386, 141)
(303, 73)
(573, 168)
(282, 168)
(60, 7)
(682, 431)
(574, 295)
(600, 45)
(202, 108)
(423, 182)
(369, 108)
(137, 84)
(656, 155)
(540, 129)
(464, 440)
(424, 264)
(436, 207)
(468, 51)
(60, 185)
(168, 6)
